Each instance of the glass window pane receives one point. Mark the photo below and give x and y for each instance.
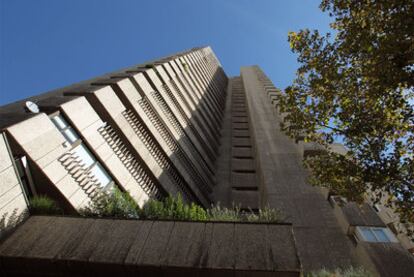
(59, 122)
(368, 235)
(380, 234)
(100, 173)
(84, 154)
(70, 135)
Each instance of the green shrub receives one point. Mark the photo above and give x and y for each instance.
(270, 215)
(120, 204)
(172, 208)
(348, 272)
(10, 221)
(112, 204)
(218, 213)
(42, 204)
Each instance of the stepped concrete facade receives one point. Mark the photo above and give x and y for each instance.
(176, 125)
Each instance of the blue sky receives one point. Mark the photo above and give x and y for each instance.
(47, 44)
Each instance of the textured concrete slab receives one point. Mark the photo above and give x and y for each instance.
(117, 247)
(190, 239)
(242, 152)
(240, 126)
(222, 248)
(12, 198)
(155, 243)
(243, 179)
(246, 256)
(57, 246)
(320, 240)
(241, 142)
(135, 249)
(330, 250)
(390, 259)
(24, 237)
(243, 164)
(240, 120)
(241, 133)
(99, 231)
(246, 199)
(241, 187)
(361, 215)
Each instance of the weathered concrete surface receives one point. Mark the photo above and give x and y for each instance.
(390, 259)
(43, 144)
(12, 200)
(238, 181)
(90, 247)
(222, 191)
(85, 119)
(361, 215)
(321, 242)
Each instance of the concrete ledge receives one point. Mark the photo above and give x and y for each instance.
(94, 247)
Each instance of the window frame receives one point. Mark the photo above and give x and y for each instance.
(68, 126)
(21, 163)
(359, 234)
(336, 200)
(80, 143)
(376, 208)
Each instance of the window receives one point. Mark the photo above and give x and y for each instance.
(337, 200)
(100, 173)
(67, 131)
(376, 208)
(25, 175)
(83, 153)
(88, 159)
(374, 234)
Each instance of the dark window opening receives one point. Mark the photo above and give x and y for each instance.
(244, 171)
(25, 175)
(251, 188)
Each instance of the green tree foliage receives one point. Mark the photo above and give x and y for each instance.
(356, 84)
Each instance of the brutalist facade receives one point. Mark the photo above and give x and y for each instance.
(180, 125)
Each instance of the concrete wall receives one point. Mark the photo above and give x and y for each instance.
(12, 199)
(90, 126)
(392, 220)
(320, 242)
(130, 118)
(45, 146)
(110, 107)
(154, 128)
(320, 239)
(142, 108)
(180, 101)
